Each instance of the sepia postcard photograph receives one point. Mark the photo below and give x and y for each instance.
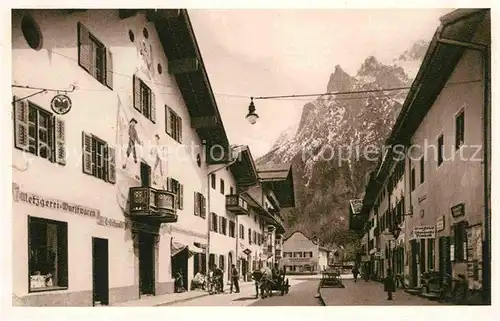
(248, 157)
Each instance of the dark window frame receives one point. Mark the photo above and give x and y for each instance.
(422, 170)
(440, 150)
(62, 240)
(459, 129)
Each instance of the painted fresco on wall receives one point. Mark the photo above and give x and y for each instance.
(145, 56)
(137, 143)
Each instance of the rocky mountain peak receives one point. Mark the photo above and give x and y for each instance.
(339, 81)
(327, 171)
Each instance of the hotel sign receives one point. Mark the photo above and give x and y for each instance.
(424, 232)
(51, 203)
(300, 259)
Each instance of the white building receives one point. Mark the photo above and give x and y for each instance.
(104, 213)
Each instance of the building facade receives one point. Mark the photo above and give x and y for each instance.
(301, 254)
(113, 158)
(429, 204)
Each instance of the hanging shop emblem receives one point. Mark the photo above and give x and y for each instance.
(61, 104)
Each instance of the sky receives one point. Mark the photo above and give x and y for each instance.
(259, 52)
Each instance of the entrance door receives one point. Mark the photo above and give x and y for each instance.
(180, 265)
(229, 265)
(414, 262)
(100, 272)
(146, 264)
(145, 175)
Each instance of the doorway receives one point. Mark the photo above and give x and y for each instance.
(180, 264)
(145, 175)
(229, 265)
(100, 272)
(414, 262)
(146, 264)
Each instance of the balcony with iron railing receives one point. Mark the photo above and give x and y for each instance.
(236, 204)
(152, 205)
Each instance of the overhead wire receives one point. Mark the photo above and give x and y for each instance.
(291, 97)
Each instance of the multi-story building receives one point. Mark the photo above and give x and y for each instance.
(301, 254)
(116, 135)
(433, 202)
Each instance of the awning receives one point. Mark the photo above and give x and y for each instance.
(176, 247)
(196, 249)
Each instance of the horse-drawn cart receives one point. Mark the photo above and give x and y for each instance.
(279, 283)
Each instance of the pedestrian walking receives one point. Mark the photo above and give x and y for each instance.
(257, 276)
(235, 277)
(389, 284)
(355, 272)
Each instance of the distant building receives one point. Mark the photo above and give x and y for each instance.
(301, 254)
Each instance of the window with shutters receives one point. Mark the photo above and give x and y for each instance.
(250, 236)
(242, 232)
(222, 186)
(199, 205)
(214, 222)
(98, 158)
(232, 229)
(144, 99)
(231, 190)
(212, 181)
(177, 188)
(39, 132)
(94, 57)
(254, 237)
(223, 229)
(173, 124)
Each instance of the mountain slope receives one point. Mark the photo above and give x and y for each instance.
(337, 141)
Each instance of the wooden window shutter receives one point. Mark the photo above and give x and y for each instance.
(196, 204)
(179, 127)
(137, 93)
(111, 165)
(168, 125)
(168, 116)
(181, 196)
(21, 123)
(84, 48)
(60, 150)
(153, 106)
(87, 153)
(203, 213)
(109, 69)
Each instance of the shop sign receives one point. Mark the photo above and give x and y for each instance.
(110, 222)
(51, 203)
(424, 232)
(440, 223)
(458, 210)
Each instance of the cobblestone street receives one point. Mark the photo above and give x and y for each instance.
(369, 293)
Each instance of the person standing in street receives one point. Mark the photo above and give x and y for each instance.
(355, 272)
(257, 276)
(235, 279)
(389, 284)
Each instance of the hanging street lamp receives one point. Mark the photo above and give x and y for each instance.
(252, 116)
